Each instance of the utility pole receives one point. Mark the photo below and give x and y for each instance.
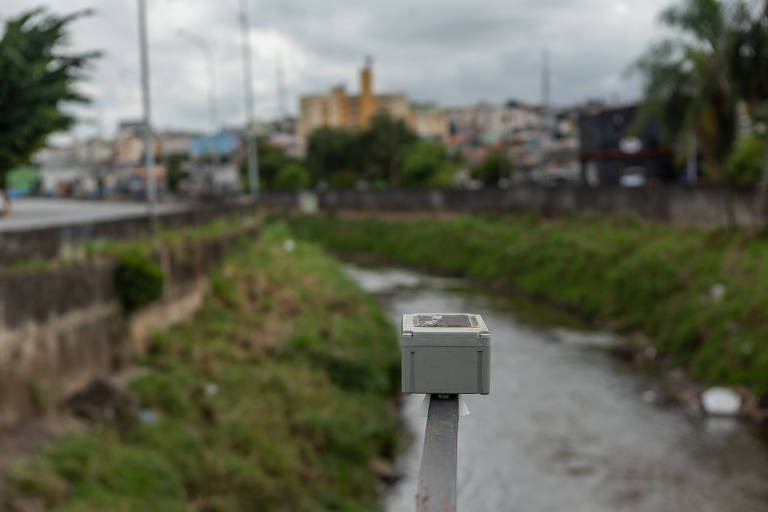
(281, 110)
(149, 150)
(213, 108)
(252, 147)
(547, 109)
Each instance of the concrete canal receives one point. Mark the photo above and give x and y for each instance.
(567, 426)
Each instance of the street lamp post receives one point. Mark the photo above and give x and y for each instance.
(213, 110)
(149, 154)
(253, 154)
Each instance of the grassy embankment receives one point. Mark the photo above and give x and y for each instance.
(666, 282)
(277, 395)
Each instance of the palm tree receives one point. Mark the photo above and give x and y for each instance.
(688, 82)
(749, 61)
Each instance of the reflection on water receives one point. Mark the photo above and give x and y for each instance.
(567, 428)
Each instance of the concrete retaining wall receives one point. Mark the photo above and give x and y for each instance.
(62, 327)
(676, 205)
(47, 243)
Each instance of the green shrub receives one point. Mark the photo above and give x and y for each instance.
(292, 177)
(493, 169)
(745, 163)
(138, 280)
(426, 164)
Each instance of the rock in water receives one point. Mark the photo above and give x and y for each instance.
(720, 402)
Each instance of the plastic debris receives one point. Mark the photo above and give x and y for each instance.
(289, 245)
(148, 416)
(718, 401)
(717, 292)
(211, 389)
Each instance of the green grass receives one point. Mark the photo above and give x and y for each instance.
(166, 238)
(635, 276)
(305, 367)
(147, 245)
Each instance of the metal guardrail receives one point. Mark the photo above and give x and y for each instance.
(437, 476)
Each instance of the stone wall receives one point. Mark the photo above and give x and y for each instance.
(62, 327)
(696, 206)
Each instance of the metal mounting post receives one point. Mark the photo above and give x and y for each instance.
(437, 476)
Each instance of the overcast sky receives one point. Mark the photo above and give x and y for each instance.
(452, 52)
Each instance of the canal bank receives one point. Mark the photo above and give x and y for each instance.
(693, 295)
(567, 426)
(279, 394)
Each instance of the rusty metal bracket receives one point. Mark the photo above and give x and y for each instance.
(437, 476)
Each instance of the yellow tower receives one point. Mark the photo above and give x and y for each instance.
(367, 100)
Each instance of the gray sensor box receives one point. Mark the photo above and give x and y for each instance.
(445, 353)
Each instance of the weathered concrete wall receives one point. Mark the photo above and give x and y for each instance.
(62, 327)
(677, 205)
(47, 243)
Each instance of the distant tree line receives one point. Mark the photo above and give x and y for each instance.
(386, 153)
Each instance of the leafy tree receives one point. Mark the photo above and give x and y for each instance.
(36, 78)
(343, 179)
(689, 86)
(331, 150)
(292, 177)
(271, 160)
(749, 61)
(382, 142)
(176, 172)
(344, 157)
(426, 164)
(743, 167)
(493, 169)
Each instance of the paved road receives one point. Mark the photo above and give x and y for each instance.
(40, 213)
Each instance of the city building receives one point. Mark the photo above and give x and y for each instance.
(222, 144)
(60, 171)
(94, 151)
(499, 120)
(128, 146)
(174, 143)
(613, 151)
(339, 109)
(288, 142)
(429, 122)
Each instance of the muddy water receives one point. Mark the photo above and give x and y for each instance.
(566, 427)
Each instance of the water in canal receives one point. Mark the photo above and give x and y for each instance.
(566, 427)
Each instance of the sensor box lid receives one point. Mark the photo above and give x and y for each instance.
(444, 329)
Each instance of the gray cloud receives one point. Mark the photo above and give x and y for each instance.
(447, 51)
